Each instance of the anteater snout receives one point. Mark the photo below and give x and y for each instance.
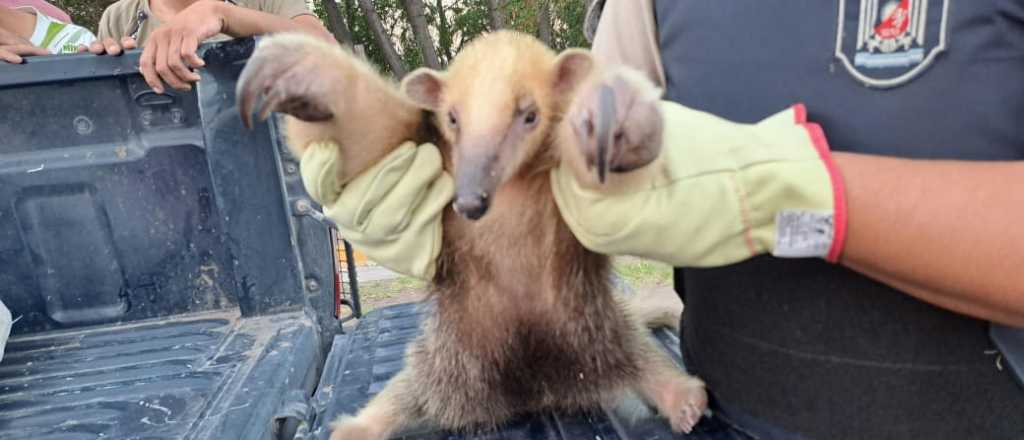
(472, 206)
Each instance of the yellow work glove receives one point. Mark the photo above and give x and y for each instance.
(392, 211)
(719, 192)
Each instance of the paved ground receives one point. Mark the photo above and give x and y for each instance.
(367, 274)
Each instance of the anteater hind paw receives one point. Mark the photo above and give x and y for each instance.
(683, 403)
(351, 428)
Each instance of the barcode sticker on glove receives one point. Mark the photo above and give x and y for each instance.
(803, 234)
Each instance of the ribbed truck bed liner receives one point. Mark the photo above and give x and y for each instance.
(360, 363)
(202, 376)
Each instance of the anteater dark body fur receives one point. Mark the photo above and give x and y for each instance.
(525, 318)
(495, 334)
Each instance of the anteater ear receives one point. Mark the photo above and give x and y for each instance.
(424, 86)
(571, 67)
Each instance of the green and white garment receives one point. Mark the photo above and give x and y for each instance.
(5, 327)
(59, 37)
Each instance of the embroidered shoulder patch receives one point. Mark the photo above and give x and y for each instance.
(887, 43)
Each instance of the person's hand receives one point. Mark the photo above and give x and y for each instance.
(170, 53)
(13, 48)
(109, 46)
(717, 192)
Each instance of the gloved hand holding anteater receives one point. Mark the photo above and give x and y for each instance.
(526, 318)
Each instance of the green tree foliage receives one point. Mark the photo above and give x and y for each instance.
(453, 23)
(568, 16)
(85, 13)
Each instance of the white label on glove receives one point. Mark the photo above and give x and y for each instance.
(803, 234)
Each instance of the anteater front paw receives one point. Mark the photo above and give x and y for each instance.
(292, 74)
(617, 122)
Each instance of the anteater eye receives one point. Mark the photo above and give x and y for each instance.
(451, 118)
(530, 117)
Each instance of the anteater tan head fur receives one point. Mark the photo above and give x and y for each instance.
(525, 318)
(497, 105)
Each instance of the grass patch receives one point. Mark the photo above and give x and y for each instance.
(643, 273)
(635, 271)
(375, 293)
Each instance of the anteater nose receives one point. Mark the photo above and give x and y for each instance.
(472, 207)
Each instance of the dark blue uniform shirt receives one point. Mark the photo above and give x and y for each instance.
(816, 348)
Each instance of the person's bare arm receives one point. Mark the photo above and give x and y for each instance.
(17, 22)
(13, 48)
(15, 30)
(626, 35)
(242, 22)
(110, 39)
(946, 232)
(171, 50)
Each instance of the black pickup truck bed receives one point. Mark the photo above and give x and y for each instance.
(167, 282)
(163, 285)
(203, 375)
(362, 361)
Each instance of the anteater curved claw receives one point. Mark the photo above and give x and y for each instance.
(618, 123)
(282, 77)
(605, 131)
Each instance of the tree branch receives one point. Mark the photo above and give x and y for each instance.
(544, 29)
(414, 10)
(383, 39)
(496, 11)
(444, 32)
(336, 23)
